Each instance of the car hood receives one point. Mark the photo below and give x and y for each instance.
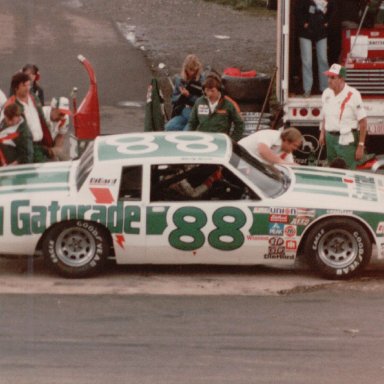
(335, 185)
(35, 178)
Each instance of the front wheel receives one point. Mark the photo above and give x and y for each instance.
(338, 248)
(76, 248)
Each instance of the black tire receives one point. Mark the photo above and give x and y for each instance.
(250, 106)
(272, 4)
(253, 89)
(76, 248)
(338, 248)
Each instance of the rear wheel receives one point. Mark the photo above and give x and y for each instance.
(76, 248)
(338, 248)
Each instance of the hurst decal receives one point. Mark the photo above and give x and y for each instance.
(27, 219)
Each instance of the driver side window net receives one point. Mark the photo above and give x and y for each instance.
(197, 182)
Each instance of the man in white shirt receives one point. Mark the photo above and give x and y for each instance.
(344, 124)
(33, 115)
(57, 117)
(272, 146)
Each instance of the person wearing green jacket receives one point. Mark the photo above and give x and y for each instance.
(16, 146)
(215, 112)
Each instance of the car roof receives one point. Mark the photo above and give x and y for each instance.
(164, 146)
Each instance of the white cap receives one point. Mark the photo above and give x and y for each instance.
(335, 70)
(62, 103)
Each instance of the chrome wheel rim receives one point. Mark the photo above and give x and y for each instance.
(338, 248)
(75, 247)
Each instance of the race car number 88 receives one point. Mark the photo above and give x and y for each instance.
(189, 222)
(134, 145)
(193, 143)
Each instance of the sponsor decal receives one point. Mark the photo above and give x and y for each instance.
(276, 241)
(306, 212)
(283, 211)
(257, 238)
(339, 211)
(348, 181)
(261, 210)
(365, 188)
(279, 218)
(290, 230)
(102, 181)
(301, 221)
(120, 240)
(275, 254)
(28, 220)
(291, 245)
(380, 228)
(102, 195)
(276, 229)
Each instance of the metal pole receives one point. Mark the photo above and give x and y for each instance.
(267, 96)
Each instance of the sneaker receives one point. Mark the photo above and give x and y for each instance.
(307, 94)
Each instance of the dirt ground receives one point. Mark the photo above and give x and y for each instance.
(167, 30)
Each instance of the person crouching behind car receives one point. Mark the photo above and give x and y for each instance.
(273, 147)
(16, 145)
(215, 112)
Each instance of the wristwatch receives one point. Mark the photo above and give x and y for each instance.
(361, 143)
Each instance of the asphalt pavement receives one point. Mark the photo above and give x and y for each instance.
(51, 34)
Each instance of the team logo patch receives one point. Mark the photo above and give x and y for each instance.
(203, 110)
(291, 245)
(279, 219)
(380, 228)
(290, 230)
(276, 229)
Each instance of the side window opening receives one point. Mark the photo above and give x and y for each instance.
(198, 182)
(131, 183)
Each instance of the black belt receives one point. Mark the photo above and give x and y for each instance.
(336, 133)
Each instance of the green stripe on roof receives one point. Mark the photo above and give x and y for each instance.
(30, 190)
(321, 192)
(329, 181)
(178, 144)
(34, 178)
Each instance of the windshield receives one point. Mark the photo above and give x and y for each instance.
(271, 181)
(85, 165)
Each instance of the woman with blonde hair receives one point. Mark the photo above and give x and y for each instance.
(188, 88)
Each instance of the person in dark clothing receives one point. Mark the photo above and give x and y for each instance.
(215, 112)
(33, 114)
(16, 146)
(313, 19)
(33, 72)
(188, 88)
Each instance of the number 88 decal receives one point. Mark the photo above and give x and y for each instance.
(134, 145)
(194, 142)
(189, 222)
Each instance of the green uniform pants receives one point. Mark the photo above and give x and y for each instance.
(345, 152)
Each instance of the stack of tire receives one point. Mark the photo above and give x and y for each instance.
(250, 94)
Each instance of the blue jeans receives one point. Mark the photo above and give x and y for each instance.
(322, 63)
(179, 122)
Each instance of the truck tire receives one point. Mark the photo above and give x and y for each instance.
(251, 89)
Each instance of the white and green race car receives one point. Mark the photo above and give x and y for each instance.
(188, 198)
